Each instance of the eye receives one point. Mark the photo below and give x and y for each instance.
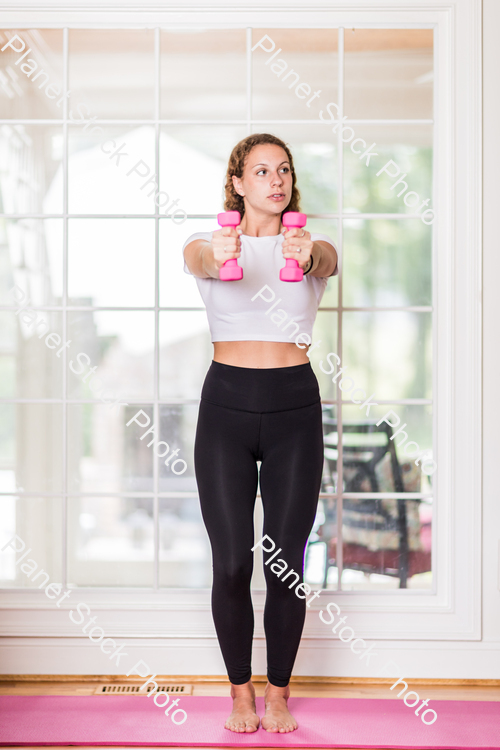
(260, 170)
(285, 169)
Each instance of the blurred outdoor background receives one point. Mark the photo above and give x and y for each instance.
(83, 242)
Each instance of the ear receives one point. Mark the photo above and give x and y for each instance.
(237, 185)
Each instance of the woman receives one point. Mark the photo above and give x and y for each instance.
(260, 402)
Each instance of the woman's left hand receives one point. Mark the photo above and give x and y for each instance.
(297, 245)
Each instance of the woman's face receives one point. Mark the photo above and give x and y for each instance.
(267, 179)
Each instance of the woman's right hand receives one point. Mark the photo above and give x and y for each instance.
(226, 244)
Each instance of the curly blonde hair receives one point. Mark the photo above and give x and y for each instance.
(236, 164)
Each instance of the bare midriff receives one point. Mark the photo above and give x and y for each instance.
(259, 354)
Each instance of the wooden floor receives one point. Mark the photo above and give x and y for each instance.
(439, 690)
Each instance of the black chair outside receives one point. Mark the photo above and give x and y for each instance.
(362, 456)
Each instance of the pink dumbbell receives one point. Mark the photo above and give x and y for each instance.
(230, 271)
(291, 271)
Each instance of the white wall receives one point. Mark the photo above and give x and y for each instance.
(491, 318)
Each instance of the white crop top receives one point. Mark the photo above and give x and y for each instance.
(232, 313)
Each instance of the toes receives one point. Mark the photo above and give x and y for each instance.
(284, 728)
(234, 726)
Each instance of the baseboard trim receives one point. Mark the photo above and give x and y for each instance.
(255, 678)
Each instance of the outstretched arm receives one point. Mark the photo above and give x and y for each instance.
(324, 258)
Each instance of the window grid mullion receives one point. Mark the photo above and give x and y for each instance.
(193, 493)
(249, 78)
(172, 401)
(105, 308)
(340, 206)
(65, 452)
(355, 216)
(55, 121)
(156, 408)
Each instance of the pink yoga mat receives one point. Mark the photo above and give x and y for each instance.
(323, 722)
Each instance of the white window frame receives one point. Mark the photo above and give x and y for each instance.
(452, 610)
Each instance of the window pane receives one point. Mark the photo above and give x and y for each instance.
(294, 72)
(177, 430)
(30, 169)
(109, 172)
(179, 289)
(110, 541)
(185, 556)
(111, 262)
(386, 544)
(329, 482)
(385, 541)
(185, 353)
(25, 80)
(121, 345)
(320, 569)
(330, 228)
(405, 186)
(104, 455)
(193, 163)
(31, 447)
(112, 72)
(325, 331)
(387, 263)
(203, 74)
(29, 365)
(37, 521)
(31, 259)
(374, 462)
(388, 73)
(315, 161)
(388, 353)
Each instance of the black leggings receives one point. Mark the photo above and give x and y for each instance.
(273, 416)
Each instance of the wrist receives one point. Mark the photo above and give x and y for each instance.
(309, 266)
(316, 255)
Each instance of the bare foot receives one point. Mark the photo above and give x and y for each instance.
(243, 717)
(277, 717)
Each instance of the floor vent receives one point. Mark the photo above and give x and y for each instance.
(117, 689)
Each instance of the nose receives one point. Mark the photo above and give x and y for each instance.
(277, 179)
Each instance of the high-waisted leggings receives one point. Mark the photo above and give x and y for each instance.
(272, 416)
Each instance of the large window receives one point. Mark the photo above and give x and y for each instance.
(114, 145)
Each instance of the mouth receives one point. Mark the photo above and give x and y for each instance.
(276, 196)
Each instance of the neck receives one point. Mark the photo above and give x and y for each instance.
(260, 225)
